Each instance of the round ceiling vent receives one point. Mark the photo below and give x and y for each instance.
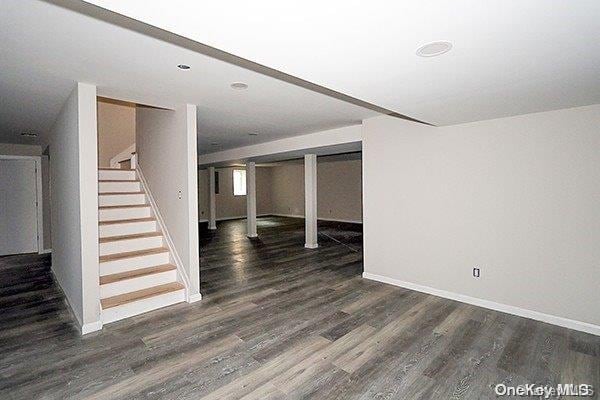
(434, 49)
(239, 86)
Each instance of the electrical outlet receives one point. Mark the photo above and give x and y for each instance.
(179, 195)
(476, 272)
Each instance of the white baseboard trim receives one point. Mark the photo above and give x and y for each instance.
(521, 312)
(318, 218)
(91, 327)
(232, 218)
(45, 251)
(194, 298)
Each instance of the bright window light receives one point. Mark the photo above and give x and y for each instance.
(239, 182)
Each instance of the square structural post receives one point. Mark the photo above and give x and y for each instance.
(251, 199)
(212, 207)
(310, 200)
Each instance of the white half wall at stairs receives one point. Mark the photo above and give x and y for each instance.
(168, 240)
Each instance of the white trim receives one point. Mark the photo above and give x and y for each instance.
(39, 197)
(194, 298)
(232, 218)
(284, 215)
(521, 312)
(167, 237)
(126, 154)
(339, 220)
(91, 327)
(318, 218)
(46, 251)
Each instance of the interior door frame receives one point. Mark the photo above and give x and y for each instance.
(39, 197)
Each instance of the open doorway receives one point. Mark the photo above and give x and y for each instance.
(116, 133)
(232, 262)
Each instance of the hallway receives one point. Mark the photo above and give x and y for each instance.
(278, 321)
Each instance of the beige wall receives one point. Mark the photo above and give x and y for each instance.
(280, 190)
(517, 197)
(339, 189)
(116, 130)
(228, 205)
(9, 149)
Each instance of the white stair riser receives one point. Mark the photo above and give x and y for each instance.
(122, 246)
(138, 307)
(129, 228)
(104, 187)
(133, 263)
(121, 199)
(112, 175)
(139, 283)
(115, 214)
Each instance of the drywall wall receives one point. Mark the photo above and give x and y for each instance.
(228, 205)
(73, 145)
(116, 129)
(9, 149)
(287, 188)
(166, 149)
(516, 197)
(339, 187)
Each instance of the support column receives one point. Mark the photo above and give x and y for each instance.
(310, 200)
(251, 199)
(212, 207)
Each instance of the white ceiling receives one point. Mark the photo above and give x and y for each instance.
(509, 57)
(45, 49)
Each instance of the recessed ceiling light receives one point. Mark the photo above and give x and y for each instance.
(29, 134)
(239, 86)
(434, 49)
(253, 134)
(183, 66)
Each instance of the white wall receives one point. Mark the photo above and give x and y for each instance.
(166, 149)
(518, 197)
(75, 205)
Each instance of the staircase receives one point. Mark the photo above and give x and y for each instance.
(137, 273)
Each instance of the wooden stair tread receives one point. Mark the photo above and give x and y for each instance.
(140, 294)
(123, 206)
(119, 193)
(133, 254)
(136, 273)
(126, 221)
(129, 237)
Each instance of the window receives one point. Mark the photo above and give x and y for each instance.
(239, 182)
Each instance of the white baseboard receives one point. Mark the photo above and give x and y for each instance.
(194, 298)
(232, 218)
(318, 218)
(521, 312)
(45, 251)
(91, 327)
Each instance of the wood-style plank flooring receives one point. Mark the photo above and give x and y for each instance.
(278, 322)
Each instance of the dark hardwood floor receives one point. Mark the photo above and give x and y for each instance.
(278, 322)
